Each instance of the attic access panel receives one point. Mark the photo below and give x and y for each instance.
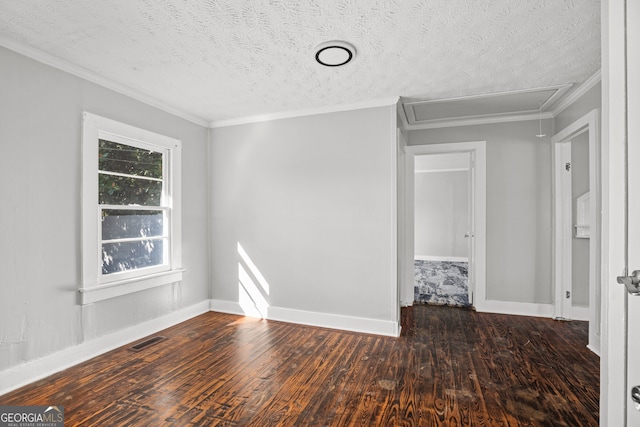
(502, 104)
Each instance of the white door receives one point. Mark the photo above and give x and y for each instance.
(633, 213)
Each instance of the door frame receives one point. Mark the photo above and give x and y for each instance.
(632, 208)
(477, 261)
(563, 227)
(613, 390)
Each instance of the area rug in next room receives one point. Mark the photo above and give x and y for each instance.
(441, 282)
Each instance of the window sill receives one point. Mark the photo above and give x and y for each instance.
(129, 286)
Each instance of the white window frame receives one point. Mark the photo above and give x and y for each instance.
(96, 286)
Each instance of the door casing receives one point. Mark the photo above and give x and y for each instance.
(632, 167)
(613, 393)
(563, 227)
(477, 256)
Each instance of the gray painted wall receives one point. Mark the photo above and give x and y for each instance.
(40, 214)
(441, 213)
(518, 206)
(312, 201)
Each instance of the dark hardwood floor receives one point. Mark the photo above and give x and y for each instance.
(450, 367)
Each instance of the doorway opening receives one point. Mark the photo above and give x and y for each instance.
(577, 224)
(442, 231)
(449, 252)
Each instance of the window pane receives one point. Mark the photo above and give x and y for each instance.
(125, 256)
(121, 190)
(124, 224)
(121, 158)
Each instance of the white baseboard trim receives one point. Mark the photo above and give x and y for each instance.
(37, 369)
(312, 318)
(515, 308)
(441, 258)
(579, 313)
(335, 321)
(594, 349)
(229, 307)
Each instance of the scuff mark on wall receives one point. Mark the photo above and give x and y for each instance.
(13, 340)
(88, 322)
(177, 296)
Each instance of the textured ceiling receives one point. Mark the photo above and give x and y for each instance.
(222, 59)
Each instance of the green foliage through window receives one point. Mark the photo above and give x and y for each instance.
(131, 177)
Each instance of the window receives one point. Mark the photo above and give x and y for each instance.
(134, 209)
(131, 209)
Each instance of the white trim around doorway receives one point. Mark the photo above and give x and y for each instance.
(563, 227)
(478, 152)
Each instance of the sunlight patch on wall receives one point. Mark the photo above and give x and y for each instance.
(253, 288)
(254, 270)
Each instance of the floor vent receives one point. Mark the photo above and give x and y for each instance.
(147, 343)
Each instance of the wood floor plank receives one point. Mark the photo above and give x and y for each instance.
(450, 367)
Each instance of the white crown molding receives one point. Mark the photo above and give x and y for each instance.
(83, 73)
(577, 93)
(559, 90)
(381, 102)
(403, 123)
(480, 120)
(406, 113)
(507, 116)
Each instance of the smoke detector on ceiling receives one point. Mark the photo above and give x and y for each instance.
(335, 53)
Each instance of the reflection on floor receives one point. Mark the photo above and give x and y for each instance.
(441, 283)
